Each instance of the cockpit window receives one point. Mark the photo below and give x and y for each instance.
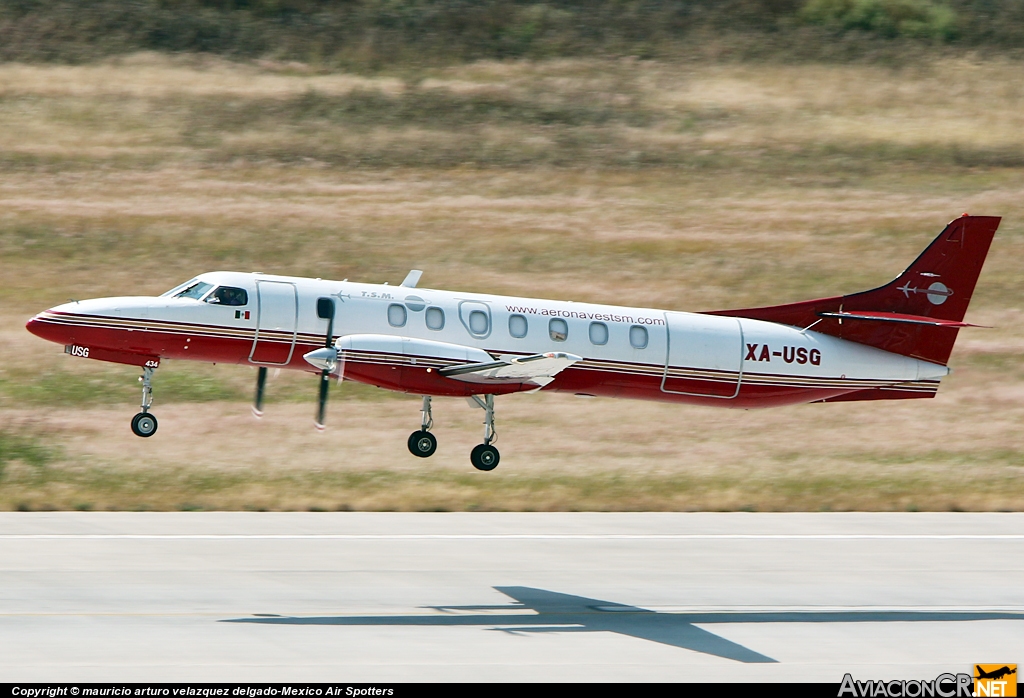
(196, 290)
(226, 295)
(180, 287)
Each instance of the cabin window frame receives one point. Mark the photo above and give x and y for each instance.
(466, 310)
(398, 307)
(427, 315)
(642, 331)
(526, 326)
(590, 333)
(555, 335)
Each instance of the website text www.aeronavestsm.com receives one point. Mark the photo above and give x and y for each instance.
(584, 315)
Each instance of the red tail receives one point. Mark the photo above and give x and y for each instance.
(918, 314)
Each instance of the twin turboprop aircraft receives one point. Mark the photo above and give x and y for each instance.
(889, 343)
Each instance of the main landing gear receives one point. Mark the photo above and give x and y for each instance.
(144, 424)
(422, 443)
(484, 456)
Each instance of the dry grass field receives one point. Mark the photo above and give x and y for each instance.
(690, 187)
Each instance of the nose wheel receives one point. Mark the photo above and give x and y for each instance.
(144, 424)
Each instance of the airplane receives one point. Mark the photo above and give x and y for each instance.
(995, 674)
(542, 611)
(889, 343)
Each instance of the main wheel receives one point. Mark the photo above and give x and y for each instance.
(485, 457)
(422, 444)
(144, 424)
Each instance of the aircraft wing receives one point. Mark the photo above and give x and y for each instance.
(539, 369)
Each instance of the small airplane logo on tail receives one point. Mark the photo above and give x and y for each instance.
(937, 293)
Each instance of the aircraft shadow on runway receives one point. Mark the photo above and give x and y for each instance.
(562, 613)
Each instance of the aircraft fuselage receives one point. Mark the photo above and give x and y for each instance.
(628, 352)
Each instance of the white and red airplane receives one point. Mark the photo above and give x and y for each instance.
(889, 343)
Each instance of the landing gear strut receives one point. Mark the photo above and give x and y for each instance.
(485, 456)
(422, 443)
(144, 424)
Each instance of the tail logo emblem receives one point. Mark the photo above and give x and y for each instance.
(937, 293)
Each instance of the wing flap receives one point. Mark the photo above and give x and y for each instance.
(539, 369)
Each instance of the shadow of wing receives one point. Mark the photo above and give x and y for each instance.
(676, 631)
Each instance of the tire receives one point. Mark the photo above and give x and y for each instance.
(144, 424)
(422, 444)
(485, 457)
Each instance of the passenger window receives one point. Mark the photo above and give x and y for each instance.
(397, 315)
(225, 295)
(478, 322)
(638, 337)
(435, 318)
(517, 326)
(598, 333)
(559, 330)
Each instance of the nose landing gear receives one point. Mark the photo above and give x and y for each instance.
(144, 424)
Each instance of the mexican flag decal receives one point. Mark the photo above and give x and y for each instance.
(238, 314)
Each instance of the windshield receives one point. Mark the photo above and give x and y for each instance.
(195, 290)
(168, 294)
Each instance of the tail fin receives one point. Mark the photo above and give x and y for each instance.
(917, 314)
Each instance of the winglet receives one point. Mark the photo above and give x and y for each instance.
(412, 278)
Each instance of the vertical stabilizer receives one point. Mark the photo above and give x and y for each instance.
(918, 313)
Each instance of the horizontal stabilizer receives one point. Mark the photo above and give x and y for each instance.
(897, 317)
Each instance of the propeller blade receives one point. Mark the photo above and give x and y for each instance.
(325, 359)
(261, 383)
(325, 384)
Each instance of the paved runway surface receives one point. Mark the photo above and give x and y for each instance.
(359, 597)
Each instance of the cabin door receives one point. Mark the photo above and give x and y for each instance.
(277, 317)
(704, 357)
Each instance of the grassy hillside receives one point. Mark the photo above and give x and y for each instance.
(371, 34)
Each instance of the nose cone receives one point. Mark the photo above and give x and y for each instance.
(34, 326)
(51, 325)
(325, 359)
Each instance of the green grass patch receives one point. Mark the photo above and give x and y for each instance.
(92, 386)
(21, 445)
(111, 488)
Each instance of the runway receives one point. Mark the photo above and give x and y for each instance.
(376, 597)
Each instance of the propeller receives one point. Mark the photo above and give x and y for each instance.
(325, 359)
(261, 383)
